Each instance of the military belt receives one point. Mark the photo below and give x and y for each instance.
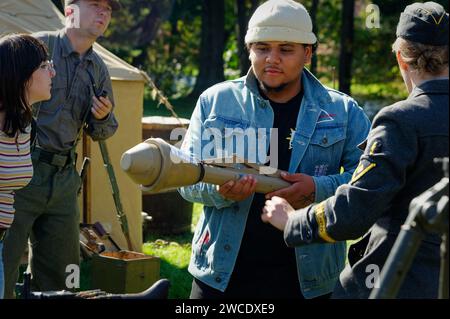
(62, 159)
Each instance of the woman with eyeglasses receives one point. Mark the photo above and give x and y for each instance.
(25, 78)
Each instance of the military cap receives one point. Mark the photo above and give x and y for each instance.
(425, 23)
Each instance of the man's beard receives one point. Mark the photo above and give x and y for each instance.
(270, 89)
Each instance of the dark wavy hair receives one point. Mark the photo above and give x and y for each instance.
(20, 56)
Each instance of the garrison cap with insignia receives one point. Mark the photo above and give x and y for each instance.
(425, 23)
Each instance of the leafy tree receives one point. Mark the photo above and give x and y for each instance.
(168, 48)
(164, 37)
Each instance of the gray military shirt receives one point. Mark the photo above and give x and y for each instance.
(60, 119)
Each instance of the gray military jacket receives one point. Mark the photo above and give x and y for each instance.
(60, 119)
(397, 166)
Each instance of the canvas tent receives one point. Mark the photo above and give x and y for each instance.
(128, 86)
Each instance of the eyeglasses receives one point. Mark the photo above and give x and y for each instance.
(49, 66)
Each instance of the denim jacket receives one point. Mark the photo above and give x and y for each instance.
(330, 126)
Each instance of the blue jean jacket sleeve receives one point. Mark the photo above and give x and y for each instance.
(357, 130)
(203, 193)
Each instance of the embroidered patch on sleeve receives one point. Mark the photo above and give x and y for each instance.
(364, 164)
(321, 220)
(362, 169)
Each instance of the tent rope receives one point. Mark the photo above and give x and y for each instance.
(157, 94)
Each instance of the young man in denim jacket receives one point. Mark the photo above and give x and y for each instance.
(234, 253)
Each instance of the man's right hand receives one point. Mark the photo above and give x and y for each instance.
(238, 190)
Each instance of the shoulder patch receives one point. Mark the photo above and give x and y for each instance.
(365, 165)
(362, 169)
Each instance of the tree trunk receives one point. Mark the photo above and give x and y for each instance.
(244, 13)
(149, 27)
(174, 28)
(345, 57)
(313, 13)
(244, 62)
(212, 46)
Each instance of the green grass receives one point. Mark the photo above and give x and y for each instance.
(174, 262)
(175, 252)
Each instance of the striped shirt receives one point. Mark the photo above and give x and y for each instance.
(16, 171)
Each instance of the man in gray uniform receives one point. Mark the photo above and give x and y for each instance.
(47, 210)
(396, 167)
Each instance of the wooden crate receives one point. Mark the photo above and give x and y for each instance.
(124, 272)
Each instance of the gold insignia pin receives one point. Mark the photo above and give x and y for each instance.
(291, 138)
(437, 21)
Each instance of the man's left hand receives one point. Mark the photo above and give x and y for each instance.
(300, 194)
(276, 212)
(101, 107)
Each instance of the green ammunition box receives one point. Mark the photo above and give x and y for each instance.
(124, 272)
